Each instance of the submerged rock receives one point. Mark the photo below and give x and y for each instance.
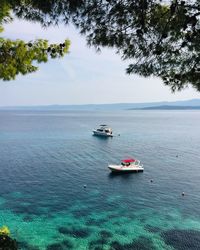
(97, 244)
(182, 239)
(141, 243)
(152, 229)
(75, 232)
(105, 234)
(55, 246)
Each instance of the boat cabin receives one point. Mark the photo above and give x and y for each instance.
(126, 166)
(128, 162)
(104, 128)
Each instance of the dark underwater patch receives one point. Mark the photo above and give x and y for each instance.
(25, 245)
(97, 244)
(95, 222)
(27, 218)
(67, 244)
(152, 229)
(75, 232)
(96, 248)
(18, 208)
(117, 223)
(141, 243)
(55, 246)
(121, 232)
(63, 245)
(105, 234)
(63, 230)
(142, 220)
(80, 213)
(112, 216)
(182, 239)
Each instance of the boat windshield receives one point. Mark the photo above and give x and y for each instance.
(129, 162)
(125, 164)
(107, 130)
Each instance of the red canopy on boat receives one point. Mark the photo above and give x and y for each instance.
(128, 160)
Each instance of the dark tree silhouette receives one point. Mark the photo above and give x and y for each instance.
(157, 38)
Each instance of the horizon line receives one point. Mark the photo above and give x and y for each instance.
(93, 104)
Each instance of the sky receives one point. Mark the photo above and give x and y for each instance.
(81, 77)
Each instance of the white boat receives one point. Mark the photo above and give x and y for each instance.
(103, 130)
(127, 165)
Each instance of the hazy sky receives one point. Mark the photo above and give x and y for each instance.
(81, 77)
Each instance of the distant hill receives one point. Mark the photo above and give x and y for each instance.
(168, 107)
(187, 104)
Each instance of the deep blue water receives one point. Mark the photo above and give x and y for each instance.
(46, 158)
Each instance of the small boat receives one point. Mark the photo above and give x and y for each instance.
(127, 165)
(103, 130)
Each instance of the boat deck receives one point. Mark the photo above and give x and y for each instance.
(116, 168)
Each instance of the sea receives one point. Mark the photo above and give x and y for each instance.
(57, 193)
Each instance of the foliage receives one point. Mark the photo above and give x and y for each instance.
(4, 230)
(158, 38)
(18, 56)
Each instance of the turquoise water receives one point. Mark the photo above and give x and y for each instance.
(46, 158)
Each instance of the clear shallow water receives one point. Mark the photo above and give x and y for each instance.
(46, 158)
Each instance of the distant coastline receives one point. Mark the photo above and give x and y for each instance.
(168, 107)
(193, 104)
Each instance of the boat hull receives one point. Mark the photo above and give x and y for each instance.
(102, 134)
(119, 169)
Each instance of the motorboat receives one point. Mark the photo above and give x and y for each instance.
(127, 165)
(103, 130)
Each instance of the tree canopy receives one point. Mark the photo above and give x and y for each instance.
(19, 56)
(157, 38)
